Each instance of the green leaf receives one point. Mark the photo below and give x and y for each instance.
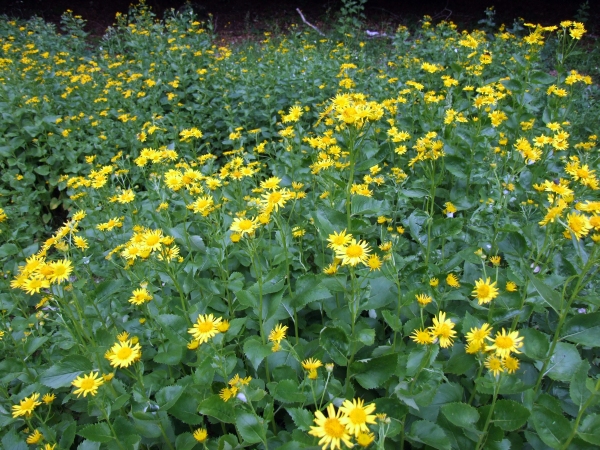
(8, 250)
(565, 358)
(430, 434)
(168, 395)
(421, 356)
(550, 296)
(329, 220)
(61, 374)
(383, 292)
(301, 417)
(256, 351)
(185, 441)
(535, 343)
(186, 409)
(583, 329)
(552, 427)
(249, 427)
(540, 77)
(589, 430)
(392, 320)
(577, 389)
(286, 391)
(146, 425)
(308, 289)
(509, 415)
(335, 342)
(373, 373)
(172, 355)
(99, 432)
(34, 343)
(460, 414)
(215, 407)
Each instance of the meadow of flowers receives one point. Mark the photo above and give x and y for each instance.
(299, 241)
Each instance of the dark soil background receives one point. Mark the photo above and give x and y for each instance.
(237, 18)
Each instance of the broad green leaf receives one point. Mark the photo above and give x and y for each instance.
(168, 395)
(550, 296)
(11, 440)
(308, 289)
(583, 329)
(99, 432)
(563, 361)
(392, 320)
(419, 357)
(256, 351)
(8, 250)
(552, 427)
(430, 434)
(61, 374)
(186, 409)
(301, 417)
(34, 343)
(383, 292)
(286, 391)
(589, 430)
(335, 342)
(146, 424)
(535, 343)
(375, 372)
(185, 441)
(172, 355)
(577, 389)
(249, 427)
(460, 414)
(509, 415)
(215, 407)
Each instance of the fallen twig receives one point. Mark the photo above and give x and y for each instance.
(308, 23)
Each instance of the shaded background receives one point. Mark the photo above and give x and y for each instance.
(243, 16)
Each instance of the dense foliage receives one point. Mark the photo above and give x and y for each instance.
(300, 242)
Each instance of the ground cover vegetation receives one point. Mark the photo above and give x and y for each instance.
(301, 241)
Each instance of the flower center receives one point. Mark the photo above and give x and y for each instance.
(87, 384)
(334, 428)
(151, 241)
(357, 416)
(483, 291)
(245, 224)
(504, 342)
(275, 197)
(124, 353)
(354, 251)
(205, 327)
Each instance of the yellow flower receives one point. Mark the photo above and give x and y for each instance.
(26, 406)
(278, 333)
(443, 329)
(478, 335)
(354, 253)
(485, 291)
(48, 398)
(200, 435)
(123, 354)
(357, 416)
(452, 280)
(140, 296)
(422, 337)
(88, 384)
(205, 328)
(35, 437)
(223, 326)
(244, 226)
(511, 287)
(496, 260)
(365, 439)
(228, 392)
(330, 429)
(374, 262)
(578, 224)
(494, 364)
(423, 299)
(511, 364)
(433, 282)
(311, 364)
(339, 241)
(504, 344)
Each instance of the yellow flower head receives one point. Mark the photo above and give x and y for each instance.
(357, 416)
(503, 344)
(205, 328)
(124, 354)
(26, 406)
(485, 291)
(330, 429)
(442, 328)
(88, 384)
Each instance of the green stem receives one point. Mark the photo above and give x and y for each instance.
(482, 439)
(580, 415)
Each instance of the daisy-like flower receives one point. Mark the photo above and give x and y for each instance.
(494, 364)
(34, 285)
(578, 224)
(276, 335)
(433, 282)
(228, 393)
(140, 296)
(443, 329)
(26, 406)
(511, 287)
(354, 253)
(496, 260)
(205, 328)
(511, 364)
(423, 299)
(35, 437)
(243, 225)
(330, 429)
(339, 241)
(374, 262)
(60, 271)
(153, 239)
(124, 354)
(88, 384)
(479, 334)
(357, 416)
(48, 398)
(422, 337)
(311, 365)
(200, 435)
(452, 280)
(365, 439)
(485, 291)
(503, 344)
